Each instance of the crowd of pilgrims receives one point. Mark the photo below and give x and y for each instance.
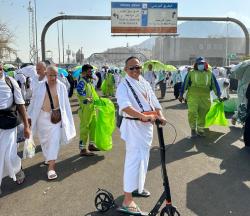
(34, 87)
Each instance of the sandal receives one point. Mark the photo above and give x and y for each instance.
(93, 148)
(46, 163)
(52, 175)
(87, 153)
(132, 210)
(20, 177)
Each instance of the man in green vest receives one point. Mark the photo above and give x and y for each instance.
(110, 82)
(86, 95)
(199, 82)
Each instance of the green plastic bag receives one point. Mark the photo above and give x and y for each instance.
(104, 87)
(105, 123)
(216, 115)
(230, 105)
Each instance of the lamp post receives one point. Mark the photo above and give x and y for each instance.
(37, 59)
(226, 62)
(58, 44)
(61, 13)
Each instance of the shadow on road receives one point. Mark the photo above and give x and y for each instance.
(174, 152)
(112, 211)
(179, 106)
(165, 100)
(215, 144)
(38, 172)
(226, 193)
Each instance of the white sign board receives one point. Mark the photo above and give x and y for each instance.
(143, 18)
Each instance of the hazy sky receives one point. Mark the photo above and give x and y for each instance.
(95, 36)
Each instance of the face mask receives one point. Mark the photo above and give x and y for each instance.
(201, 67)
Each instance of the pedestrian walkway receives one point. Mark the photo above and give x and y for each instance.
(207, 176)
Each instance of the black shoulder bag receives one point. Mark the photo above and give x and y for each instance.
(55, 113)
(9, 117)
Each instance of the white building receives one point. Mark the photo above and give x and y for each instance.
(180, 51)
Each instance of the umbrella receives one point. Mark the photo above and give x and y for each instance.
(76, 67)
(62, 71)
(170, 68)
(76, 73)
(78, 70)
(8, 67)
(157, 65)
(241, 71)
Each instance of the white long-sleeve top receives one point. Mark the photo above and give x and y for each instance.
(132, 130)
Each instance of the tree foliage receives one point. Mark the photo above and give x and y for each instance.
(6, 39)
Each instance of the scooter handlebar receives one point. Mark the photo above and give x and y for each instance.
(157, 122)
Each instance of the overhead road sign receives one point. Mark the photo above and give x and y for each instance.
(143, 18)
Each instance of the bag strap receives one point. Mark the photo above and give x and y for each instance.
(9, 83)
(50, 97)
(135, 95)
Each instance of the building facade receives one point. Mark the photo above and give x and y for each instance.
(183, 51)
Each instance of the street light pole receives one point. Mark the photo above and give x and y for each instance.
(61, 13)
(227, 46)
(36, 33)
(58, 44)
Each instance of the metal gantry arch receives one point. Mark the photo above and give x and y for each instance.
(70, 17)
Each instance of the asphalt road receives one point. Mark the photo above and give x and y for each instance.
(208, 176)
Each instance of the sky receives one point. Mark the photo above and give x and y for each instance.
(95, 36)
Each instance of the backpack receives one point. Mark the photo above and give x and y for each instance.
(9, 117)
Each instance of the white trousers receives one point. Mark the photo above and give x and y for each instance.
(49, 135)
(135, 168)
(10, 162)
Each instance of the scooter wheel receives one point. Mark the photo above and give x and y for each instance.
(103, 202)
(169, 211)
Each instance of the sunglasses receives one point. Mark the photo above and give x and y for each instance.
(137, 67)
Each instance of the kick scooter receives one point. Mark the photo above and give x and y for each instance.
(104, 200)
